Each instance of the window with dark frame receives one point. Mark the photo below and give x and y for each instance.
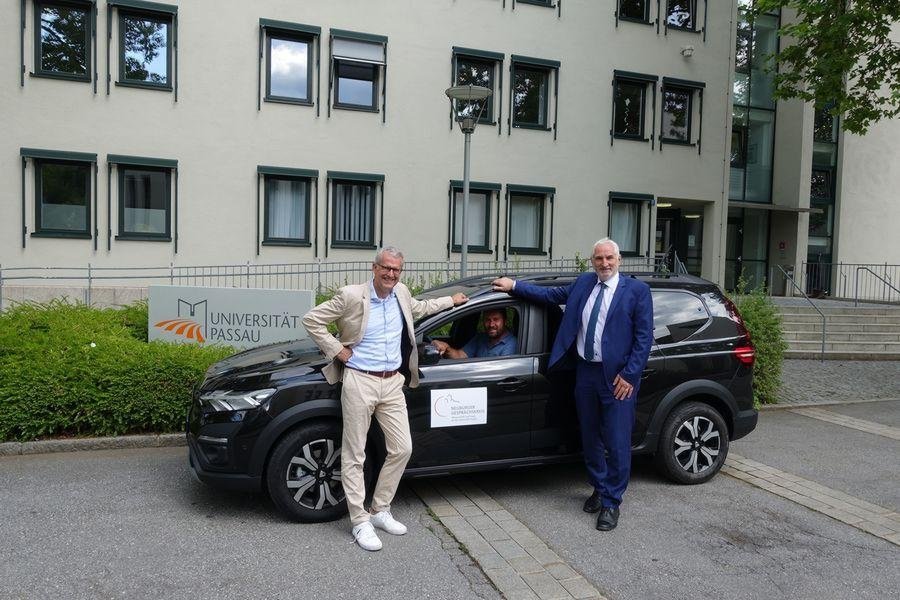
(634, 10)
(355, 85)
(145, 202)
(478, 236)
(62, 47)
(287, 210)
(630, 101)
(145, 49)
(353, 215)
(625, 225)
(677, 110)
(62, 197)
(476, 71)
(526, 223)
(681, 14)
(289, 65)
(530, 96)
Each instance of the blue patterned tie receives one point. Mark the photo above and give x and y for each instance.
(592, 325)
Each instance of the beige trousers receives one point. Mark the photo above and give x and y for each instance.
(362, 396)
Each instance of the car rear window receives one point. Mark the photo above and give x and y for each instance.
(677, 315)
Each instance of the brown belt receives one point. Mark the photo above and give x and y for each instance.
(382, 374)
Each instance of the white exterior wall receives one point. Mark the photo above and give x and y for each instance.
(218, 136)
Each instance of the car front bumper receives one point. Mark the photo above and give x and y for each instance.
(239, 482)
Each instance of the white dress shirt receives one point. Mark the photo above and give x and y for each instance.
(611, 284)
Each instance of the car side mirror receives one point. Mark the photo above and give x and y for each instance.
(429, 355)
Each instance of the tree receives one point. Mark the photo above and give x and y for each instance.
(841, 56)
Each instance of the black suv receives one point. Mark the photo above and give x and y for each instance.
(266, 419)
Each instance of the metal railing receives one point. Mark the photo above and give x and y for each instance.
(858, 281)
(876, 275)
(789, 278)
(318, 276)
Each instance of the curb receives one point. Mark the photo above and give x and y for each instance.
(790, 405)
(164, 440)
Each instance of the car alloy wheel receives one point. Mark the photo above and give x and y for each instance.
(693, 443)
(697, 444)
(314, 475)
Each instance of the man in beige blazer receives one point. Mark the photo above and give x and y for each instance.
(373, 355)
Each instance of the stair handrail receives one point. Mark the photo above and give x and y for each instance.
(811, 303)
(856, 283)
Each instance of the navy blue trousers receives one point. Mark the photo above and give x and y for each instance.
(606, 425)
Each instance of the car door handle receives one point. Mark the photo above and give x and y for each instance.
(647, 373)
(512, 384)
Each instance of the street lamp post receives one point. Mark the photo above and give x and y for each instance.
(467, 104)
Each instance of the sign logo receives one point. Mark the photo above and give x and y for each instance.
(458, 406)
(185, 327)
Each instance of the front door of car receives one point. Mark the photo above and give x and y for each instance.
(471, 410)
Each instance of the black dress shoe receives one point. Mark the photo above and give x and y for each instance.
(608, 518)
(593, 504)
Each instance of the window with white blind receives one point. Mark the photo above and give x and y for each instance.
(526, 222)
(353, 220)
(287, 209)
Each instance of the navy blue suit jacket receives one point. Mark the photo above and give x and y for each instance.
(627, 333)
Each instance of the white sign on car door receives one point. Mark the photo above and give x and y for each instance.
(452, 407)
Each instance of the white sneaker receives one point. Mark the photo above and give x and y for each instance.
(365, 536)
(383, 519)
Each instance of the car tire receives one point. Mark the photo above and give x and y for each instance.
(693, 444)
(303, 473)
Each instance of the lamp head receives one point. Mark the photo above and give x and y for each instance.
(468, 104)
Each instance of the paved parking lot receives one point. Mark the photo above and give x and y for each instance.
(133, 524)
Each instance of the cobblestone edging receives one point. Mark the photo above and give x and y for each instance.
(103, 443)
(871, 518)
(518, 562)
(850, 422)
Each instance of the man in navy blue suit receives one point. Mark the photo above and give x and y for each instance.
(606, 333)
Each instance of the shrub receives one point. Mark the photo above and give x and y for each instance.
(71, 370)
(763, 321)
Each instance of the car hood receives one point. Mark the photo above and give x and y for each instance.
(266, 366)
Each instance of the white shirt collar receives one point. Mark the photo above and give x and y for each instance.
(611, 283)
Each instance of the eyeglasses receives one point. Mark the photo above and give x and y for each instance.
(396, 270)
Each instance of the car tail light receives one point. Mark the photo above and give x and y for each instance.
(746, 354)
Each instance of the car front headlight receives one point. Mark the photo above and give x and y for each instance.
(228, 400)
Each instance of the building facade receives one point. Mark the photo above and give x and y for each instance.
(205, 133)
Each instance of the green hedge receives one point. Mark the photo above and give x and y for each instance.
(763, 321)
(70, 370)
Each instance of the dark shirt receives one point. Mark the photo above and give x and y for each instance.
(480, 346)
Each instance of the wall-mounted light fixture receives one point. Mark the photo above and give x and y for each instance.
(687, 51)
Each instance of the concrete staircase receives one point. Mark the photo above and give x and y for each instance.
(868, 332)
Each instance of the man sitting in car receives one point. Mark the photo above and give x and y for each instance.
(495, 340)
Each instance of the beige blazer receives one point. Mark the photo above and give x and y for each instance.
(349, 308)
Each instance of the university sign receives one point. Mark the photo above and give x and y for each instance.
(238, 317)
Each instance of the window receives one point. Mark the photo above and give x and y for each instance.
(821, 185)
(526, 217)
(681, 14)
(353, 204)
(677, 316)
(62, 197)
(478, 215)
(676, 115)
(291, 53)
(476, 67)
(530, 92)
(358, 63)
(625, 220)
(630, 104)
(678, 110)
(145, 49)
(62, 42)
(286, 209)
(634, 10)
(144, 202)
